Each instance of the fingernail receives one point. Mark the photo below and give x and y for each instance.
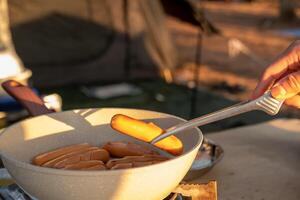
(278, 92)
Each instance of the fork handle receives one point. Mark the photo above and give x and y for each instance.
(231, 111)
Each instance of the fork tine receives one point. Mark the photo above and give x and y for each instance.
(264, 103)
(268, 104)
(274, 100)
(269, 101)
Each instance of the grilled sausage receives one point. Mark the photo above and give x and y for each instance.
(96, 167)
(146, 132)
(121, 149)
(100, 154)
(84, 165)
(45, 157)
(94, 154)
(135, 161)
(122, 166)
(86, 157)
(53, 162)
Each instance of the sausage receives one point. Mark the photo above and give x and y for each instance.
(121, 149)
(135, 128)
(135, 160)
(141, 164)
(122, 166)
(73, 159)
(51, 163)
(100, 154)
(128, 159)
(133, 164)
(94, 154)
(84, 164)
(45, 157)
(146, 132)
(86, 157)
(96, 167)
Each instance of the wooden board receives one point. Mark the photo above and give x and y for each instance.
(199, 191)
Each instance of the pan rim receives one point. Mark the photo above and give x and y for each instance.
(44, 170)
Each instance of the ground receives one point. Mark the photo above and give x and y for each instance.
(255, 25)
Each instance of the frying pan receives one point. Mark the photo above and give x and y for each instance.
(22, 141)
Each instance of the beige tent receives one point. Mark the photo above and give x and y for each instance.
(83, 41)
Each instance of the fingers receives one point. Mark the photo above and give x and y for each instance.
(294, 101)
(288, 61)
(287, 87)
(270, 75)
(262, 86)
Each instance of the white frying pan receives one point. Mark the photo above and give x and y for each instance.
(20, 142)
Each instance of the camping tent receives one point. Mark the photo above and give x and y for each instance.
(67, 42)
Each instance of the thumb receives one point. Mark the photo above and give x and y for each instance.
(287, 87)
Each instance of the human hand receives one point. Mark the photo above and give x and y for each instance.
(282, 77)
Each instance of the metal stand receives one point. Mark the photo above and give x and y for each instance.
(198, 57)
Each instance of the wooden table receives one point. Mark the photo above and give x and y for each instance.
(261, 162)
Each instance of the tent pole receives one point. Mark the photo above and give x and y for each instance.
(90, 11)
(198, 58)
(127, 59)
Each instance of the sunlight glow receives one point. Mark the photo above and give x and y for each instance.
(9, 65)
(43, 126)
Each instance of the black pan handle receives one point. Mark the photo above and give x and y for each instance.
(26, 96)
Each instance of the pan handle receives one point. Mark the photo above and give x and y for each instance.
(26, 96)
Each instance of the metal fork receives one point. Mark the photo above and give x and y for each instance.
(264, 103)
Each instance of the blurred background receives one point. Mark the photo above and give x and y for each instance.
(186, 58)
